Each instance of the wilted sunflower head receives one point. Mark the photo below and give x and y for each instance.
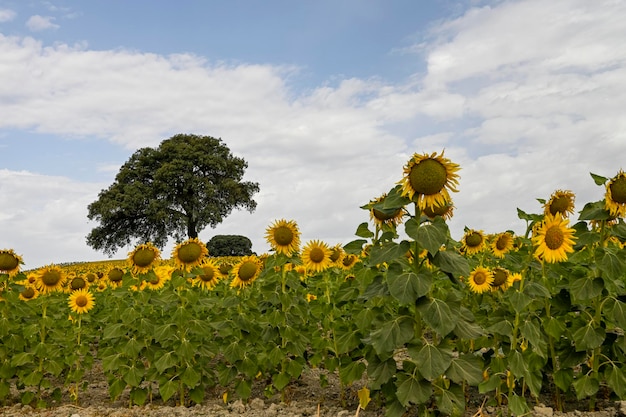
(480, 280)
(81, 301)
(208, 275)
(554, 239)
(615, 196)
(473, 241)
(385, 217)
(50, 278)
(316, 256)
(336, 255)
(246, 271)
(349, 261)
(189, 254)
(144, 257)
(10, 262)
(502, 244)
(428, 179)
(561, 202)
(284, 236)
(445, 211)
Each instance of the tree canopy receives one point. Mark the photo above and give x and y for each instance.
(229, 245)
(176, 190)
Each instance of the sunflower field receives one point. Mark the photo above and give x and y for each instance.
(424, 319)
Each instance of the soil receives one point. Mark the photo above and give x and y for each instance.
(305, 397)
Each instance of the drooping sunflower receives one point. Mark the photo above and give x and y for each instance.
(316, 256)
(77, 283)
(81, 301)
(428, 179)
(561, 202)
(115, 276)
(246, 271)
(349, 261)
(480, 280)
(50, 278)
(284, 236)
(29, 292)
(10, 262)
(615, 196)
(189, 254)
(390, 218)
(554, 239)
(500, 279)
(502, 244)
(473, 241)
(209, 275)
(336, 255)
(144, 257)
(445, 211)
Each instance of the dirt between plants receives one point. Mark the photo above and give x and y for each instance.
(305, 397)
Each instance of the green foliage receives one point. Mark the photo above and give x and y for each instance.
(186, 184)
(229, 245)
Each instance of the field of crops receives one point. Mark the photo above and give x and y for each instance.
(424, 318)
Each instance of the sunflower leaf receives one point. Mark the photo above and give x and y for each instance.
(392, 334)
(407, 286)
(598, 179)
(364, 231)
(387, 252)
(438, 315)
(412, 389)
(432, 361)
(466, 368)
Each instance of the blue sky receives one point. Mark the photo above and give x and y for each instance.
(326, 100)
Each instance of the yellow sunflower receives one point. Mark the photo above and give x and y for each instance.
(513, 278)
(349, 261)
(502, 244)
(158, 277)
(500, 279)
(77, 283)
(284, 237)
(115, 276)
(246, 271)
(473, 241)
(50, 278)
(189, 254)
(336, 255)
(209, 276)
(554, 239)
(561, 202)
(380, 218)
(615, 196)
(480, 280)
(143, 258)
(81, 301)
(428, 180)
(316, 256)
(445, 211)
(29, 293)
(10, 262)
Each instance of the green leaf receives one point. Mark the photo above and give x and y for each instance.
(598, 179)
(554, 327)
(594, 211)
(363, 231)
(610, 262)
(346, 339)
(586, 386)
(387, 252)
(531, 331)
(588, 337)
(114, 330)
(392, 334)
(518, 364)
(452, 263)
(616, 379)
(133, 376)
(116, 387)
(618, 313)
(412, 389)
(165, 362)
(380, 371)
(281, 380)
(355, 247)
(519, 301)
(439, 316)
(21, 358)
(518, 405)
(190, 377)
(167, 389)
(138, 395)
(451, 401)
(586, 288)
(32, 378)
(406, 287)
(429, 236)
(432, 361)
(164, 332)
(563, 378)
(243, 389)
(352, 372)
(466, 368)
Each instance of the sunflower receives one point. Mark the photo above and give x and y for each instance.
(615, 196)
(189, 254)
(445, 211)
(284, 237)
(500, 279)
(502, 244)
(561, 202)
(480, 280)
(513, 278)
(81, 301)
(29, 292)
(316, 256)
(156, 279)
(50, 278)
(114, 277)
(311, 297)
(246, 271)
(554, 239)
(430, 178)
(209, 275)
(389, 218)
(145, 257)
(77, 283)
(336, 255)
(473, 241)
(10, 262)
(349, 261)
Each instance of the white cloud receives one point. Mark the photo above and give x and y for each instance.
(38, 23)
(6, 15)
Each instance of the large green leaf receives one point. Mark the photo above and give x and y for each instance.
(392, 334)
(167, 389)
(429, 236)
(438, 315)
(466, 368)
(616, 379)
(518, 405)
(165, 362)
(452, 263)
(364, 231)
(380, 371)
(532, 332)
(432, 361)
(451, 401)
(586, 288)
(411, 389)
(407, 286)
(586, 386)
(387, 252)
(611, 262)
(588, 337)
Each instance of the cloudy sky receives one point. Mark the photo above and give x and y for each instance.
(325, 99)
